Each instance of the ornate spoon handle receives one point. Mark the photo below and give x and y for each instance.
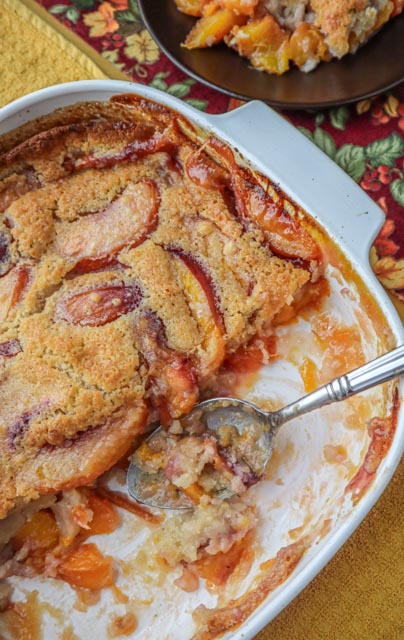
(382, 369)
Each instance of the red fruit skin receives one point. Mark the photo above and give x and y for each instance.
(10, 348)
(204, 280)
(98, 306)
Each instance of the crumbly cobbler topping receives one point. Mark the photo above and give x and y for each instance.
(132, 264)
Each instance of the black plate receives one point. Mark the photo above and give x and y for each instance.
(376, 67)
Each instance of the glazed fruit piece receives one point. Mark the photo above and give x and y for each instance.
(172, 381)
(86, 567)
(10, 348)
(133, 265)
(191, 7)
(201, 300)
(97, 306)
(270, 34)
(12, 288)
(95, 239)
(264, 43)
(211, 29)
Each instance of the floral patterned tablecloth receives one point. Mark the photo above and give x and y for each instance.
(366, 139)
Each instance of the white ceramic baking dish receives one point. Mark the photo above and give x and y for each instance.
(348, 215)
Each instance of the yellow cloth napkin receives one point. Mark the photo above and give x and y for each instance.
(36, 52)
(358, 596)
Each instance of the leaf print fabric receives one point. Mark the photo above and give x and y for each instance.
(365, 139)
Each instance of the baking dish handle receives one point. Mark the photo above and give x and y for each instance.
(304, 172)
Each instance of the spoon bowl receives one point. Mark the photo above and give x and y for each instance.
(241, 435)
(207, 419)
(245, 417)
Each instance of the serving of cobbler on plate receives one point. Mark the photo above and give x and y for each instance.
(275, 34)
(142, 270)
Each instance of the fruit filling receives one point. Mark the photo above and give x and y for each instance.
(191, 461)
(139, 271)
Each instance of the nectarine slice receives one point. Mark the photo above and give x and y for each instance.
(264, 43)
(285, 235)
(12, 288)
(191, 7)
(95, 239)
(173, 388)
(307, 42)
(105, 518)
(86, 567)
(206, 173)
(41, 532)
(200, 300)
(10, 348)
(97, 306)
(211, 29)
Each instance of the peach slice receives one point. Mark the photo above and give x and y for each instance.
(264, 43)
(10, 348)
(38, 536)
(105, 517)
(245, 7)
(211, 29)
(285, 235)
(86, 567)
(206, 173)
(201, 301)
(138, 148)
(91, 265)
(12, 288)
(99, 305)
(216, 569)
(41, 532)
(191, 7)
(172, 380)
(204, 280)
(182, 391)
(307, 42)
(94, 240)
(22, 274)
(121, 501)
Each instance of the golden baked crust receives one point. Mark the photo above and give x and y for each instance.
(131, 264)
(347, 23)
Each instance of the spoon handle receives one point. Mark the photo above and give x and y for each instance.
(382, 369)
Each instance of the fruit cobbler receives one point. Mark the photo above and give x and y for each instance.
(136, 265)
(275, 35)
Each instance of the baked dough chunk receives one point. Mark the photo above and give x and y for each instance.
(131, 265)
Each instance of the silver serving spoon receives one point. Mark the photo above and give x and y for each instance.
(212, 415)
